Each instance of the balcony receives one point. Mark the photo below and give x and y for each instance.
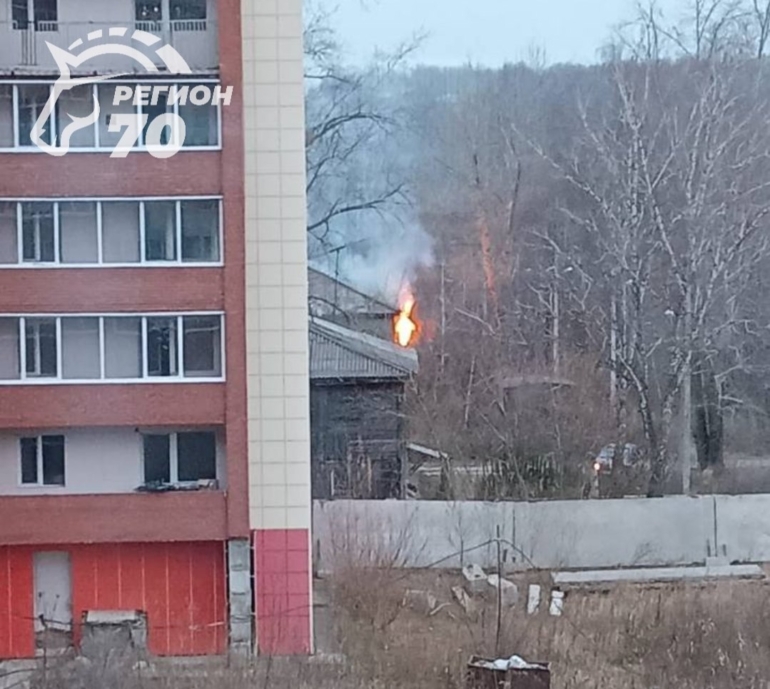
(135, 518)
(24, 50)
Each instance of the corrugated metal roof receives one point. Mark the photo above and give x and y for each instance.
(337, 352)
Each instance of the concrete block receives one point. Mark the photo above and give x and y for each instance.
(533, 599)
(475, 579)
(239, 555)
(509, 592)
(240, 582)
(240, 632)
(557, 603)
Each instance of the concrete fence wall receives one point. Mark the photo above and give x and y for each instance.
(636, 532)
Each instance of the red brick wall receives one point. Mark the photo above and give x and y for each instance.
(139, 174)
(143, 404)
(63, 290)
(96, 174)
(57, 519)
(232, 176)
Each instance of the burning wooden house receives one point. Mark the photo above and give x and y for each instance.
(357, 388)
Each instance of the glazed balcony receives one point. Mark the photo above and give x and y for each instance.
(24, 49)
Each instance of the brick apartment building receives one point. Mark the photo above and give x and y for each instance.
(154, 442)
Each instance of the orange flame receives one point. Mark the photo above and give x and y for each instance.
(405, 328)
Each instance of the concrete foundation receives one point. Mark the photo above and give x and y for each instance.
(239, 595)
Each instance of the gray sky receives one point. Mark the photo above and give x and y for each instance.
(488, 32)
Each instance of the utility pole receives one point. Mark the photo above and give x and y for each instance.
(686, 446)
(614, 356)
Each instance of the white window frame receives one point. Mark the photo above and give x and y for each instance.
(40, 483)
(36, 375)
(145, 378)
(97, 147)
(173, 455)
(100, 202)
(31, 17)
(20, 234)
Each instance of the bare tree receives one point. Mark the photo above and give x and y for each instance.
(347, 118)
(674, 174)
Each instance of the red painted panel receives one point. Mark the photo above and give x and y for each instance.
(179, 602)
(108, 578)
(220, 600)
(180, 586)
(6, 622)
(85, 584)
(157, 595)
(283, 591)
(19, 604)
(132, 576)
(203, 598)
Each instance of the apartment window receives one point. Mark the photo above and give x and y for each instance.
(32, 99)
(38, 233)
(160, 223)
(42, 460)
(187, 9)
(180, 457)
(9, 349)
(153, 111)
(80, 348)
(200, 231)
(111, 348)
(202, 346)
(6, 116)
(78, 232)
(41, 349)
(121, 234)
(107, 109)
(148, 10)
(9, 233)
(162, 347)
(201, 124)
(123, 348)
(87, 232)
(79, 102)
(41, 14)
(196, 456)
(157, 459)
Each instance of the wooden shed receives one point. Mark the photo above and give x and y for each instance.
(357, 387)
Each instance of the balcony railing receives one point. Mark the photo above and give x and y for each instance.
(24, 47)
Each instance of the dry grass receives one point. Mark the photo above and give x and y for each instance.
(631, 637)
